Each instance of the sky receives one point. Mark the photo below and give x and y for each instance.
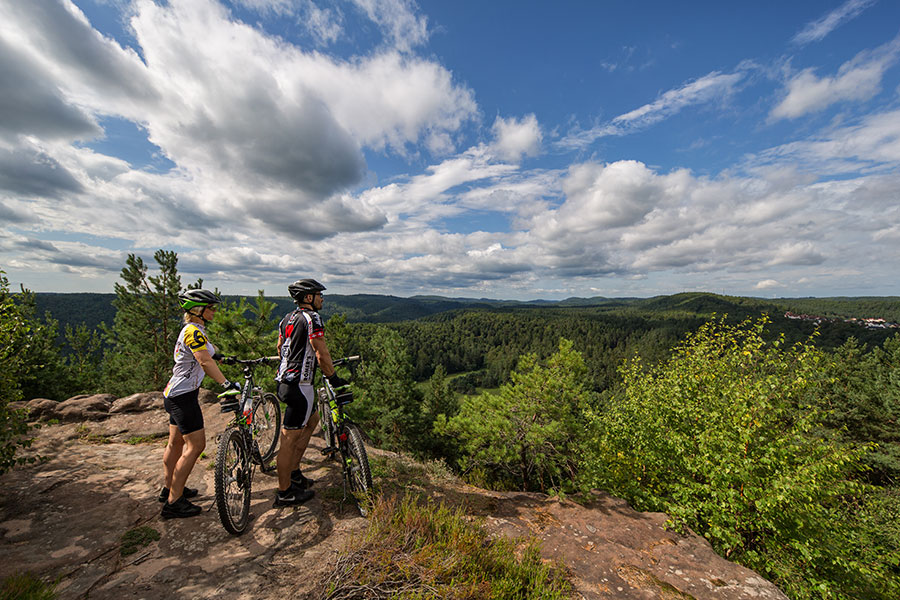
(502, 149)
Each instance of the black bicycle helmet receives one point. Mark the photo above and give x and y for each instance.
(301, 288)
(194, 298)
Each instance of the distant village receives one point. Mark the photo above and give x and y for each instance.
(867, 323)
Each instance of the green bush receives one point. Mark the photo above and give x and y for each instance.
(15, 329)
(724, 437)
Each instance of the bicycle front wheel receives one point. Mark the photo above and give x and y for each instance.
(356, 461)
(326, 421)
(232, 481)
(266, 425)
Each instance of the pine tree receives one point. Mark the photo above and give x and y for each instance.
(526, 435)
(148, 318)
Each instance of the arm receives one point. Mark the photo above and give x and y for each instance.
(323, 356)
(210, 367)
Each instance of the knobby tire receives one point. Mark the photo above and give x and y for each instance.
(359, 472)
(233, 481)
(326, 421)
(266, 425)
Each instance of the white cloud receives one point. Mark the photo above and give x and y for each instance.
(256, 127)
(711, 87)
(818, 29)
(516, 138)
(280, 7)
(767, 284)
(323, 23)
(857, 79)
(399, 21)
(872, 143)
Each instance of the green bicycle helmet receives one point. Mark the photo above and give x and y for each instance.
(194, 298)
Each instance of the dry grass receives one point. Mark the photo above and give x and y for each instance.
(418, 549)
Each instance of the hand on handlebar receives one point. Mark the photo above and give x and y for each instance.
(336, 381)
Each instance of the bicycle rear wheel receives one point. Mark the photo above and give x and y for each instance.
(232, 481)
(356, 462)
(266, 425)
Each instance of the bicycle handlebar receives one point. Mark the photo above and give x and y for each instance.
(346, 360)
(231, 360)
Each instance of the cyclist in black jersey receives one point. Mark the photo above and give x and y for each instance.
(302, 347)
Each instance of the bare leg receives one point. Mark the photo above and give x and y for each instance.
(286, 452)
(305, 434)
(172, 454)
(194, 444)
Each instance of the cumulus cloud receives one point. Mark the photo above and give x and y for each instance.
(767, 284)
(857, 79)
(31, 105)
(818, 29)
(89, 69)
(516, 138)
(255, 126)
(31, 172)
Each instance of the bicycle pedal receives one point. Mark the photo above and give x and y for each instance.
(328, 451)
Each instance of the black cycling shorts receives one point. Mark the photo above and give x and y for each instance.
(184, 412)
(299, 406)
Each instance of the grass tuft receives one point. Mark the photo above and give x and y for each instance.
(25, 586)
(137, 538)
(426, 550)
(146, 439)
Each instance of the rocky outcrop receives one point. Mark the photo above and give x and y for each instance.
(616, 552)
(41, 408)
(64, 518)
(92, 407)
(137, 402)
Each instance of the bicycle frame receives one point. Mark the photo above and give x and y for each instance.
(238, 450)
(344, 437)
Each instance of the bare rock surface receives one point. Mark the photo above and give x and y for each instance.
(91, 407)
(41, 408)
(65, 516)
(137, 402)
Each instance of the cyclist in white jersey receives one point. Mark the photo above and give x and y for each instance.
(195, 357)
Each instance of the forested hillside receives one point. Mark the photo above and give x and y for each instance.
(776, 438)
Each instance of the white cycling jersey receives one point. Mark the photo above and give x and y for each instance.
(187, 374)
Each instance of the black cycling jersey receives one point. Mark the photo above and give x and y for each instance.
(298, 357)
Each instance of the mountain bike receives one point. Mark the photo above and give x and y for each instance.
(249, 440)
(344, 437)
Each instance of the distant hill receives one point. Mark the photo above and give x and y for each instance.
(93, 309)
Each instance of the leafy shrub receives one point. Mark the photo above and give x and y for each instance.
(14, 333)
(723, 437)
